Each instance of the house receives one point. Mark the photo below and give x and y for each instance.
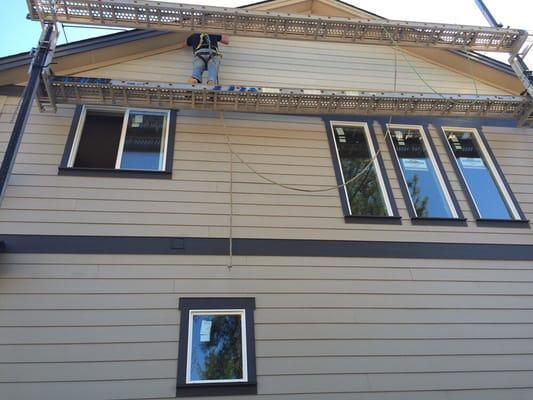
(151, 252)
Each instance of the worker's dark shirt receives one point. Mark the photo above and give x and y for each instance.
(194, 40)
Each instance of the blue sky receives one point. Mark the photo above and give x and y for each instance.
(20, 35)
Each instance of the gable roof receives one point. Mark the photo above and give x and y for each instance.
(110, 49)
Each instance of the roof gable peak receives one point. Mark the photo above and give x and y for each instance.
(329, 8)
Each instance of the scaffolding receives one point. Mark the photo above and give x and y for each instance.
(191, 18)
(243, 22)
(81, 90)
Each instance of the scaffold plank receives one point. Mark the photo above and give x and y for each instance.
(99, 91)
(236, 21)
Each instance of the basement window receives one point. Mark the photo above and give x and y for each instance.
(485, 186)
(120, 140)
(216, 349)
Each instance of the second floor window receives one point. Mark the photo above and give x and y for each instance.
(129, 139)
(365, 192)
(485, 185)
(423, 180)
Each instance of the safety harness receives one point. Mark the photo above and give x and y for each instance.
(203, 45)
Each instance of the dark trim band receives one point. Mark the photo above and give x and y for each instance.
(52, 244)
(12, 90)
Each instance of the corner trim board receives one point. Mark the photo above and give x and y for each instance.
(55, 244)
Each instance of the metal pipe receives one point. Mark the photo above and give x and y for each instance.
(25, 107)
(487, 14)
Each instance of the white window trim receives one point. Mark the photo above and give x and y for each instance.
(240, 312)
(490, 164)
(125, 118)
(433, 160)
(377, 168)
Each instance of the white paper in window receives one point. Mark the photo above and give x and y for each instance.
(342, 136)
(472, 163)
(415, 164)
(137, 120)
(205, 331)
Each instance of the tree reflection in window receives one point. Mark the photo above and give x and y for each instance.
(217, 348)
(426, 192)
(365, 194)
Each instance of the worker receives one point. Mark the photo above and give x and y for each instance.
(206, 56)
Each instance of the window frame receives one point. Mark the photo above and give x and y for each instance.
(494, 169)
(379, 166)
(449, 196)
(190, 306)
(71, 148)
(242, 314)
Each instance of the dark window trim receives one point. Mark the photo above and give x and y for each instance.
(216, 389)
(439, 221)
(64, 169)
(464, 186)
(114, 173)
(395, 217)
(373, 219)
(399, 174)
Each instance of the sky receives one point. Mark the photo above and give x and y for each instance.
(20, 35)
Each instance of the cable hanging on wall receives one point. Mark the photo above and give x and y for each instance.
(299, 188)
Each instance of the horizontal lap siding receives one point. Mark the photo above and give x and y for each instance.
(291, 150)
(338, 328)
(296, 64)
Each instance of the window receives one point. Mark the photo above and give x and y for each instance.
(429, 196)
(217, 347)
(118, 140)
(366, 194)
(485, 186)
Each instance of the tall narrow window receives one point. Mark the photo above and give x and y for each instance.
(485, 185)
(428, 195)
(364, 189)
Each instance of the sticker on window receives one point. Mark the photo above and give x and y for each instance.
(137, 121)
(472, 163)
(205, 331)
(415, 164)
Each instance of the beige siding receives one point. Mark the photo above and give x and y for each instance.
(297, 64)
(8, 105)
(289, 149)
(106, 326)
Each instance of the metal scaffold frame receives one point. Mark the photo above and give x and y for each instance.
(190, 18)
(243, 22)
(79, 90)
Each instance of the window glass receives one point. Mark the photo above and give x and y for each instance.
(479, 178)
(426, 192)
(216, 348)
(144, 141)
(365, 194)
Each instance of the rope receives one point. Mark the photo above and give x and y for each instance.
(230, 264)
(299, 189)
(471, 70)
(64, 32)
(395, 43)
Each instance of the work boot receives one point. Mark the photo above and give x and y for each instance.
(192, 81)
(211, 83)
